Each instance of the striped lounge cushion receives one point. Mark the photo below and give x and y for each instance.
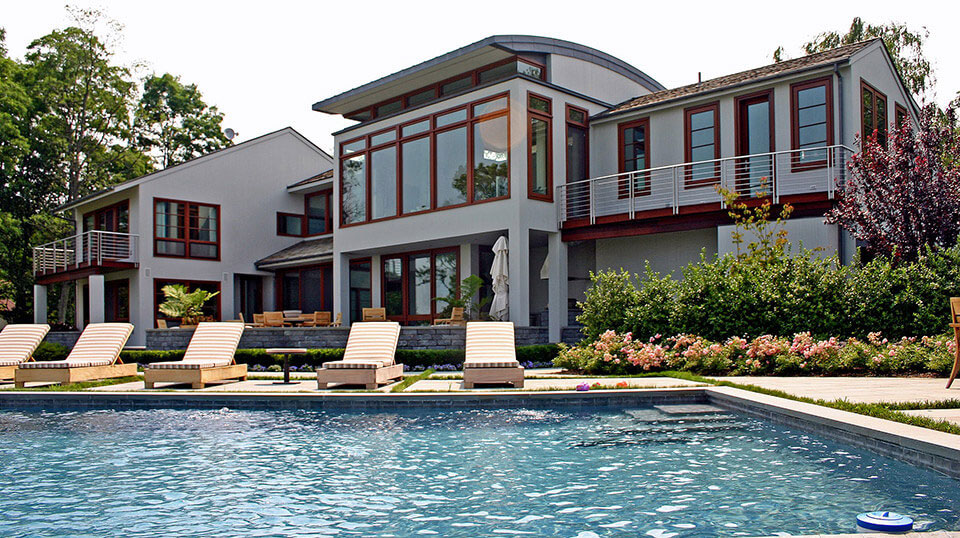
(490, 344)
(355, 364)
(18, 342)
(212, 344)
(372, 342)
(99, 344)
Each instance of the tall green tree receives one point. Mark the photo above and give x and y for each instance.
(905, 47)
(173, 124)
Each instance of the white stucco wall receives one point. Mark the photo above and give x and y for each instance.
(591, 79)
(666, 252)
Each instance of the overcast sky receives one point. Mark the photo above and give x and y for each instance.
(264, 63)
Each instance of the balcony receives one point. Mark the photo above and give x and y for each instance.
(798, 176)
(87, 253)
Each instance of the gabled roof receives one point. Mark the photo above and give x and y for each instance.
(786, 67)
(302, 253)
(474, 55)
(203, 158)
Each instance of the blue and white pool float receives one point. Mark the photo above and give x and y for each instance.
(885, 522)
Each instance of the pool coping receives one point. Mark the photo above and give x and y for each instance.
(919, 446)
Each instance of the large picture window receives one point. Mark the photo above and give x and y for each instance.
(455, 157)
(539, 157)
(412, 282)
(811, 114)
(701, 137)
(186, 229)
(873, 113)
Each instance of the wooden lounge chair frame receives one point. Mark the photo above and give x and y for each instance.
(22, 332)
(456, 318)
(199, 377)
(955, 325)
(77, 374)
(493, 340)
(370, 378)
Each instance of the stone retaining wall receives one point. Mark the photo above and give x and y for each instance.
(332, 337)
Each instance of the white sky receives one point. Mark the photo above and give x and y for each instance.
(264, 63)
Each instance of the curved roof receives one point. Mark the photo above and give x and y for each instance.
(485, 51)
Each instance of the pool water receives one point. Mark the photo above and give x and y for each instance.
(563, 472)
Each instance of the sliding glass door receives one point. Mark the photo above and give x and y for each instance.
(412, 282)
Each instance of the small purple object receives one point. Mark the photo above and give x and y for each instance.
(582, 387)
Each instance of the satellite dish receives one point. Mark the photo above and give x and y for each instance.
(230, 133)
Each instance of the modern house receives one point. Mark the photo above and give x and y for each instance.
(203, 224)
(581, 160)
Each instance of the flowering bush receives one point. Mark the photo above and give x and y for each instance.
(802, 354)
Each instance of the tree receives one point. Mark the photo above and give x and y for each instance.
(174, 124)
(905, 197)
(904, 46)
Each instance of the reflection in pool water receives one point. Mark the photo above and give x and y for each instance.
(562, 472)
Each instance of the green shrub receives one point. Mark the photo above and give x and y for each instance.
(49, 351)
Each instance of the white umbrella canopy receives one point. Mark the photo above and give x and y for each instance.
(499, 308)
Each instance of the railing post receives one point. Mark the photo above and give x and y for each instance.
(631, 210)
(593, 211)
(676, 191)
(773, 179)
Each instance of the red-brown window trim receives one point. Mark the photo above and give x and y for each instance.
(689, 183)
(880, 124)
(328, 214)
(186, 226)
(110, 291)
(112, 207)
(474, 76)
(350, 264)
(404, 282)
(470, 120)
(622, 191)
(585, 124)
(281, 215)
(159, 283)
(738, 127)
(546, 117)
(795, 89)
(899, 111)
(325, 301)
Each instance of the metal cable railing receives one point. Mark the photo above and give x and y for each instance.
(86, 249)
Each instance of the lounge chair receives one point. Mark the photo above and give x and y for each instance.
(456, 318)
(209, 357)
(96, 355)
(491, 355)
(17, 344)
(955, 325)
(368, 359)
(374, 314)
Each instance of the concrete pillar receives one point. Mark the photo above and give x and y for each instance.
(39, 303)
(557, 254)
(97, 299)
(518, 263)
(341, 287)
(80, 317)
(375, 281)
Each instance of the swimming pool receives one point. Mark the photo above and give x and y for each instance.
(565, 472)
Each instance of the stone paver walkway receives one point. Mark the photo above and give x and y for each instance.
(857, 389)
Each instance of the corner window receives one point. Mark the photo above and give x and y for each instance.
(873, 111)
(701, 139)
(539, 158)
(289, 224)
(186, 229)
(901, 117)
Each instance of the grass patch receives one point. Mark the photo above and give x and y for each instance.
(884, 411)
(79, 386)
(410, 380)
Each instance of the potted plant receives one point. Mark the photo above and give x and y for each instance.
(465, 299)
(183, 304)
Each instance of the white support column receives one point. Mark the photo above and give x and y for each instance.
(375, 281)
(519, 277)
(341, 287)
(97, 299)
(557, 254)
(39, 303)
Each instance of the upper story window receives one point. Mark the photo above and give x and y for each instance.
(901, 116)
(811, 114)
(539, 160)
(114, 218)
(873, 113)
(315, 220)
(577, 143)
(186, 229)
(483, 75)
(634, 144)
(448, 159)
(701, 128)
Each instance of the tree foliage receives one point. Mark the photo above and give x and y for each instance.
(904, 197)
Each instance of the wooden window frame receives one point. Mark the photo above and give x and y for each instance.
(406, 317)
(96, 213)
(546, 117)
(350, 264)
(688, 182)
(186, 227)
(282, 215)
(158, 284)
(328, 215)
(437, 87)
(738, 103)
(470, 120)
(880, 124)
(795, 89)
(300, 270)
(585, 124)
(623, 185)
(111, 286)
(899, 111)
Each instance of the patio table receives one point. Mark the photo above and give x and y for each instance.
(286, 352)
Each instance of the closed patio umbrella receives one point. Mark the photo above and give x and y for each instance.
(499, 308)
